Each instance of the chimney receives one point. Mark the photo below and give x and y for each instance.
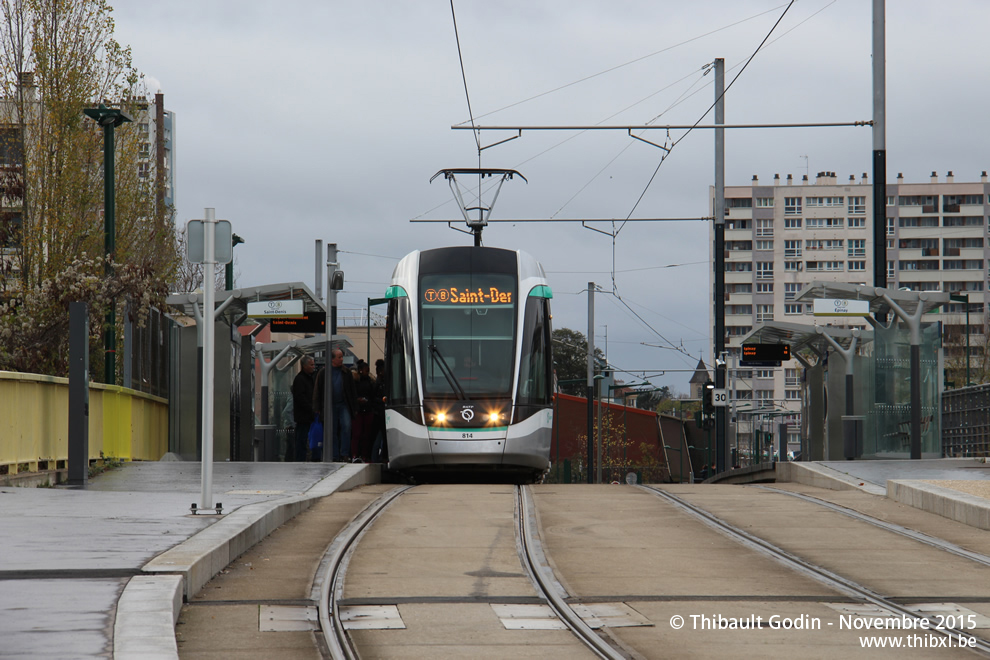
(900, 177)
(949, 178)
(756, 180)
(852, 178)
(865, 180)
(804, 179)
(790, 179)
(934, 177)
(776, 179)
(983, 177)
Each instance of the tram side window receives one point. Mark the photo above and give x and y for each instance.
(402, 386)
(534, 365)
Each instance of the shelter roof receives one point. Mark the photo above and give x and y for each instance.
(801, 335)
(907, 300)
(235, 311)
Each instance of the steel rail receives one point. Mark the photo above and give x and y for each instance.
(547, 585)
(921, 537)
(333, 567)
(833, 580)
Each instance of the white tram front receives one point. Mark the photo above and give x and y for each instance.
(468, 362)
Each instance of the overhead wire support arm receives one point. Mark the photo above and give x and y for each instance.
(636, 137)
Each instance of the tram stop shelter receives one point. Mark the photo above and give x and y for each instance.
(234, 353)
(825, 352)
(896, 385)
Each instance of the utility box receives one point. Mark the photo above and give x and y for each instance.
(852, 436)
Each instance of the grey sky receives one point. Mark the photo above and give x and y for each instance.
(301, 120)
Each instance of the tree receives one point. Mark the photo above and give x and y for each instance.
(58, 57)
(570, 361)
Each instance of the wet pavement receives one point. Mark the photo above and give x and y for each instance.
(69, 552)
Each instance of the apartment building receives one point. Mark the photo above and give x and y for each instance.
(782, 236)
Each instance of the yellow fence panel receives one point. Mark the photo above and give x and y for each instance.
(34, 423)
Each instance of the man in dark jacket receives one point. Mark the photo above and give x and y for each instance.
(344, 405)
(302, 408)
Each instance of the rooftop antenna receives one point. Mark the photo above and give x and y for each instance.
(807, 166)
(484, 212)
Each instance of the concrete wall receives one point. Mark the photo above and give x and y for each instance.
(34, 423)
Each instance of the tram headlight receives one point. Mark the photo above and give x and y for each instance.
(441, 417)
(494, 416)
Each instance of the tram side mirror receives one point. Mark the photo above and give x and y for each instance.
(337, 280)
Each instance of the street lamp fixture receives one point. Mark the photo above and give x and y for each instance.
(109, 119)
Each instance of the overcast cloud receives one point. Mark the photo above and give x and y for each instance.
(300, 120)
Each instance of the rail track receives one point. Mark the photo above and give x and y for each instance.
(841, 584)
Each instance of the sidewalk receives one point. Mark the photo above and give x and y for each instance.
(74, 567)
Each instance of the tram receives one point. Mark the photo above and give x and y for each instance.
(469, 363)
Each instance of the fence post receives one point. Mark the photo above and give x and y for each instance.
(78, 393)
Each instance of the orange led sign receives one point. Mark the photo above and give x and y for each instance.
(456, 296)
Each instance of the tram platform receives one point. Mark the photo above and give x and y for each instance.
(103, 570)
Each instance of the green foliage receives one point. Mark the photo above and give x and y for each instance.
(570, 360)
(58, 57)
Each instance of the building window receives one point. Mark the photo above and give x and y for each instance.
(792, 206)
(857, 265)
(764, 395)
(764, 313)
(825, 223)
(739, 287)
(792, 223)
(793, 265)
(763, 373)
(738, 223)
(738, 267)
(764, 287)
(738, 330)
(793, 308)
(890, 226)
(739, 203)
(857, 206)
(857, 223)
(961, 221)
(791, 378)
(764, 270)
(764, 227)
(791, 289)
(764, 245)
(962, 264)
(792, 249)
(823, 201)
(738, 310)
(792, 395)
(918, 200)
(919, 264)
(735, 246)
(764, 202)
(857, 247)
(825, 266)
(743, 395)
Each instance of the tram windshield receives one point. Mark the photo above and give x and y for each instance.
(467, 334)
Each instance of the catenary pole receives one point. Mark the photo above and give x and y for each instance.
(719, 262)
(591, 379)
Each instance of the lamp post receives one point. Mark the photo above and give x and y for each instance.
(109, 119)
(228, 275)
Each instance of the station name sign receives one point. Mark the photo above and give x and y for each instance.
(268, 309)
(456, 296)
(841, 307)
